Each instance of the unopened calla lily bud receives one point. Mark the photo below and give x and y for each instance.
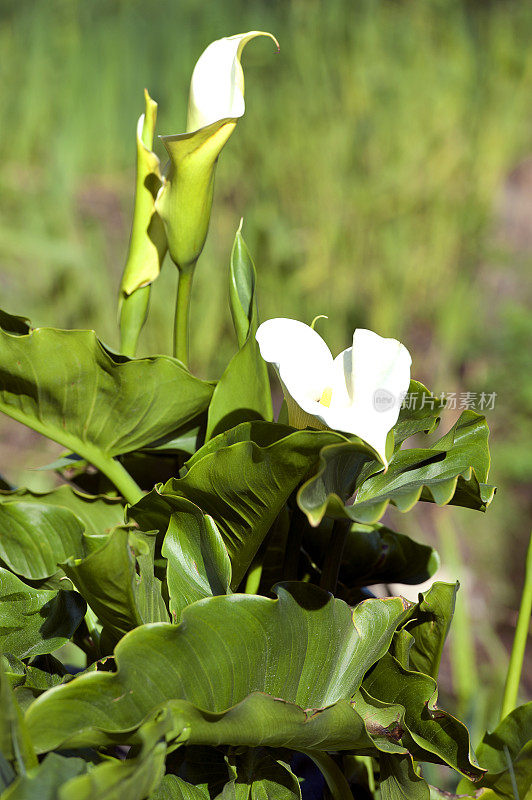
(216, 102)
(147, 245)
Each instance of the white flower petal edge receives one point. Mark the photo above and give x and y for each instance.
(300, 356)
(217, 85)
(359, 393)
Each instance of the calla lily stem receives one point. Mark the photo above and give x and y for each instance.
(182, 309)
(298, 526)
(133, 313)
(513, 678)
(120, 477)
(111, 468)
(253, 578)
(333, 559)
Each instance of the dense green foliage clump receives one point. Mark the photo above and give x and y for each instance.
(190, 613)
(371, 174)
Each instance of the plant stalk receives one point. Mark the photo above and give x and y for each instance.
(119, 476)
(253, 577)
(133, 314)
(91, 621)
(515, 667)
(335, 551)
(298, 526)
(182, 314)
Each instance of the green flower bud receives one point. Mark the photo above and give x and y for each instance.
(147, 245)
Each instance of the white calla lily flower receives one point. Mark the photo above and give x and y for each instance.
(217, 84)
(215, 104)
(359, 392)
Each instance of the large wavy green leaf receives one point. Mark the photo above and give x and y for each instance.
(430, 733)
(243, 392)
(98, 513)
(242, 479)
(454, 470)
(36, 621)
(69, 387)
(239, 669)
(35, 538)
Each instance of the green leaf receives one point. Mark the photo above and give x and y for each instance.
(512, 733)
(428, 623)
(44, 781)
(375, 554)
(511, 784)
(187, 439)
(204, 768)
(430, 733)
(243, 392)
(258, 775)
(239, 669)
(198, 563)
(108, 581)
(36, 621)
(398, 780)
(419, 413)
(36, 538)
(31, 677)
(134, 778)
(148, 588)
(15, 742)
(97, 513)
(174, 788)
(69, 387)
(509, 744)
(331, 487)
(453, 470)
(242, 479)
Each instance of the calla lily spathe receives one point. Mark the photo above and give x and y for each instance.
(359, 392)
(147, 246)
(216, 102)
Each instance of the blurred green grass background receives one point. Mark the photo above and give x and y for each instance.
(382, 169)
